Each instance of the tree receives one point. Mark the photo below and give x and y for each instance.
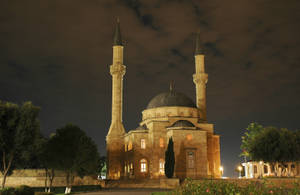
(19, 129)
(75, 152)
(102, 166)
(248, 139)
(169, 159)
(297, 142)
(274, 145)
(46, 158)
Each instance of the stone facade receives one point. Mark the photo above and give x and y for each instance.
(140, 153)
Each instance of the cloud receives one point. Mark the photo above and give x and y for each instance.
(57, 53)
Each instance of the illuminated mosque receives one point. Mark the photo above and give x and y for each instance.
(140, 153)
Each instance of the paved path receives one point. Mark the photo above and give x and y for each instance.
(124, 192)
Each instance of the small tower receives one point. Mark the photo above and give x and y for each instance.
(114, 138)
(200, 79)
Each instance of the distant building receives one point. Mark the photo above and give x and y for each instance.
(261, 169)
(140, 153)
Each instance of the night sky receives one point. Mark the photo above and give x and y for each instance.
(56, 53)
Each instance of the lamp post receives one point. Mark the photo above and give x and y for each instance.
(240, 171)
(221, 170)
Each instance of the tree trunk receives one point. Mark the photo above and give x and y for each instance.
(6, 168)
(67, 183)
(46, 180)
(4, 179)
(51, 177)
(71, 182)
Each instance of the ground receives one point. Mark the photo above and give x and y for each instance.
(124, 192)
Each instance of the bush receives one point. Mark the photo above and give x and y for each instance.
(226, 187)
(24, 190)
(43, 193)
(7, 191)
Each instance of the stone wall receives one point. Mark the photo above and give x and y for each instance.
(36, 178)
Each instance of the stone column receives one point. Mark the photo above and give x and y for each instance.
(200, 79)
(115, 136)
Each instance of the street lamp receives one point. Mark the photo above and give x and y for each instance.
(240, 171)
(221, 170)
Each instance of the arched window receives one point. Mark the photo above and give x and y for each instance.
(191, 160)
(143, 143)
(161, 142)
(265, 169)
(129, 146)
(161, 166)
(143, 165)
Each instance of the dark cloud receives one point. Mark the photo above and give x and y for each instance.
(57, 54)
(145, 18)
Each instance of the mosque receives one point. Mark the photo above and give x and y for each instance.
(140, 153)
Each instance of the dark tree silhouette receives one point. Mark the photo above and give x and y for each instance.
(76, 153)
(169, 159)
(19, 130)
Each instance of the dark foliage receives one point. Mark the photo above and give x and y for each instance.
(169, 159)
(75, 152)
(24, 190)
(19, 130)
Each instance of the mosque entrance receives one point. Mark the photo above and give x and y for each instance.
(191, 163)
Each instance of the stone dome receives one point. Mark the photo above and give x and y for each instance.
(171, 98)
(183, 123)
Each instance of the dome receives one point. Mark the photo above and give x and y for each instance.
(171, 98)
(144, 127)
(183, 123)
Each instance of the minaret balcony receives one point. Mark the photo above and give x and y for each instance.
(200, 78)
(117, 69)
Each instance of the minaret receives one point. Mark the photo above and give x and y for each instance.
(114, 138)
(200, 79)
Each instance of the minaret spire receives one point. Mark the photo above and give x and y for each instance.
(117, 40)
(200, 79)
(198, 44)
(172, 85)
(114, 138)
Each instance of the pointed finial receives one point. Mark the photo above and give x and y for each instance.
(172, 85)
(198, 44)
(117, 36)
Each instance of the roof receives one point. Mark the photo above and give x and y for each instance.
(144, 127)
(183, 123)
(117, 40)
(171, 98)
(198, 49)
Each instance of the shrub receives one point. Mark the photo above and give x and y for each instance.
(7, 191)
(207, 187)
(24, 190)
(43, 193)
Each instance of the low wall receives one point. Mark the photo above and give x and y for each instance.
(36, 178)
(142, 183)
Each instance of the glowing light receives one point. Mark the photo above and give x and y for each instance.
(240, 168)
(221, 168)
